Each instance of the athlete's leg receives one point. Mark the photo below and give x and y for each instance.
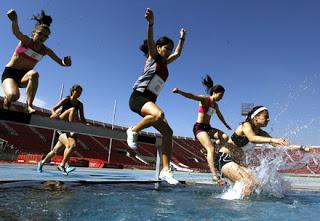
(152, 114)
(30, 80)
(166, 146)
(205, 141)
(70, 144)
(166, 151)
(235, 172)
(11, 92)
(52, 153)
(69, 115)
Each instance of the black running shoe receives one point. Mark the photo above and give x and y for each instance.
(63, 170)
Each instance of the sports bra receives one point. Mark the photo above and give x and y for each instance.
(238, 140)
(29, 52)
(209, 109)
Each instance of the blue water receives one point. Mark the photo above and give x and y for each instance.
(70, 201)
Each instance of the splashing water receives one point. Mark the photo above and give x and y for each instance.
(270, 161)
(233, 192)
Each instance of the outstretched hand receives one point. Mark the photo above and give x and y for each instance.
(280, 141)
(183, 33)
(67, 61)
(12, 15)
(175, 90)
(149, 16)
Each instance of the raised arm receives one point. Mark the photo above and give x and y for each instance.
(12, 15)
(66, 62)
(179, 47)
(220, 116)
(253, 138)
(200, 98)
(152, 50)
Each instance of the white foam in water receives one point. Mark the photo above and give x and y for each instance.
(270, 181)
(233, 192)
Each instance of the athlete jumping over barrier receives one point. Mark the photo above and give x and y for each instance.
(71, 110)
(147, 88)
(202, 129)
(19, 72)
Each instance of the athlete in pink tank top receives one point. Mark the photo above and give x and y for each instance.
(19, 72)
(202, 128)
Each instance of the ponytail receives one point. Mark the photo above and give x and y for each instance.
(43, 21)
(207, 82)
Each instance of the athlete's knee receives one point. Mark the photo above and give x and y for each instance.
(53, 152)
(225, 136)
(71, 145)
(14, 96)
(33, 75)
(158, 116)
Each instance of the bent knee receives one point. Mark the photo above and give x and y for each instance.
(159, 116)
(225, 136)
(13, 96)
(34, 74)
(71, 145)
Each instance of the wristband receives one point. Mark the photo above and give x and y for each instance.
(182, 39)
(150, 25)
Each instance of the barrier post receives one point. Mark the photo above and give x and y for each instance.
(158, 162)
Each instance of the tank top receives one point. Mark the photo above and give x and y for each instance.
(69, 105)
(152, 80)
(209, 109)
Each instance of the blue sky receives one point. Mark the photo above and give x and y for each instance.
(262, 52)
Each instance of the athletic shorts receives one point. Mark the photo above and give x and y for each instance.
(198, 127)
(15, 74)
(222, 159)
(136, 102)
(68, 134)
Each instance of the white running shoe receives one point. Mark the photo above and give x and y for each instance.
(132, 138)
(167, 176)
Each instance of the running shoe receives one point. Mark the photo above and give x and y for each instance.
(132, 138)
(39, 168)
(70, 169)
(167, 176)
(63, 170)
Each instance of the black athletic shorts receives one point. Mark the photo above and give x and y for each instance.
(136, 102)
(15, 74)
(222, 159)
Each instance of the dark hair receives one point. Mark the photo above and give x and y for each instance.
(75, 87)
(210, 86)
(160, 42)
(248, 118)
(43, 21)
